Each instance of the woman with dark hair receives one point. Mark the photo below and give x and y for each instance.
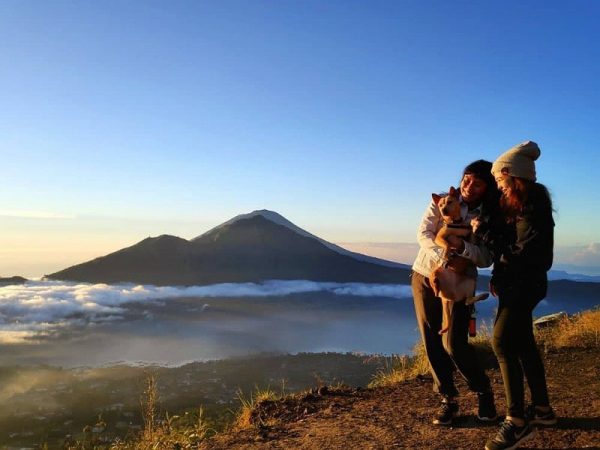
(523, 252)
(478, 197)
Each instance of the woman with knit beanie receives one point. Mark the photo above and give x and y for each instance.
(522, 245)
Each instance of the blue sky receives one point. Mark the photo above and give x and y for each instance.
(122, 120)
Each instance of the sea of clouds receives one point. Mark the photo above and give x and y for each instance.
(43, 308)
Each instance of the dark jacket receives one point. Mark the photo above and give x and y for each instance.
(523, 250)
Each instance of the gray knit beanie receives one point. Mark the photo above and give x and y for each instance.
(519, 161)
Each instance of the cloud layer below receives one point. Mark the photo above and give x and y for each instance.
(40, 309)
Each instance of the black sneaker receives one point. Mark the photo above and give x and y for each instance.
(536, 417)
(486, 412)
(510, 436)
(446, 413)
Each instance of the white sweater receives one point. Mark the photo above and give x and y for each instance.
(429, 256)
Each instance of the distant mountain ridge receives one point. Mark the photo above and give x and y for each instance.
(252, 247)
(6, 281)
(260, 246)
(280, 220)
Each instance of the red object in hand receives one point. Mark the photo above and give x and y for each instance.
(472, 327)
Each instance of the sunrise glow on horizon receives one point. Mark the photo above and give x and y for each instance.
(128, 120)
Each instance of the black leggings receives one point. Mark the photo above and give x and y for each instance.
(453, 348)
(517, 353)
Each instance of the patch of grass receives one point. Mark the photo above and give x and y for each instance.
(580, 330)
(483, 346)
(174, 432)
(246, 417)
(398, 368)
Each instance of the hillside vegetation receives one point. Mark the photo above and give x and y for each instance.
(395, 410)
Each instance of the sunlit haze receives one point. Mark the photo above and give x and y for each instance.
(123, 120)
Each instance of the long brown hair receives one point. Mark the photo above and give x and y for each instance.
(513, 204)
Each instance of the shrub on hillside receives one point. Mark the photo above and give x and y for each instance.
(581, 330)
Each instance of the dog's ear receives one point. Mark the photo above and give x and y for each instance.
(436, 198)
(452, 192)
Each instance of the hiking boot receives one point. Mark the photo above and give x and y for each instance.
(510, 436)
(536, 417)
(486, 412)
(446, 413)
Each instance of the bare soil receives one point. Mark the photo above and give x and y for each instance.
(400, 416)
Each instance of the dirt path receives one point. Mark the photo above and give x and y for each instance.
(400, 416)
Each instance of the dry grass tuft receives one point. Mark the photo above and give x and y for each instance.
(400, 368)
(174, 432)
(245, 416)
(483, 346)
(581, 330)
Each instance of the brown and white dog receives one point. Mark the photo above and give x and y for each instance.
(453, 282)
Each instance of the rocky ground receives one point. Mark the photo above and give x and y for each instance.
(400, 416)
